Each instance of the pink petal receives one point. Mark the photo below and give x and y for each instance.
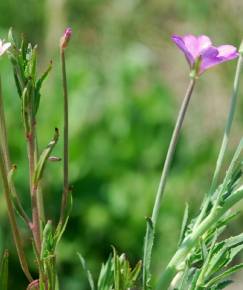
(226, 50)
(204, 42)
(216, 55)
(209, 58)
(201, 47)
(178, 40)
(191, 43)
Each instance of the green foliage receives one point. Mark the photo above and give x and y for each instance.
(208, 263)
(115, 274)
(106, 277)
(24, 58)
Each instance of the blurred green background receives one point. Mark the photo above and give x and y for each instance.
(126, 82)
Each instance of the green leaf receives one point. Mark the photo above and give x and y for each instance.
(194, 280)
(62, 226)
(136, 271)
(87, 272)
(224, 275)
(47, 246)
(116, 270)
(44, 157)
(38, 87)
(184, 224)
(224, 252)
(105, 280)
(224, 190)
(222, 285)
(48, 254)
(149, 240)
(4, 271)
(204, 250)
(15, 198)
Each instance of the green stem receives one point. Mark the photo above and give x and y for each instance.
(4, 168)
(225, 140)
(191, 241)
(66, 145)
(149, 237)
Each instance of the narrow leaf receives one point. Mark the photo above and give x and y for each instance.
(87, 272)
(224, 275)
(44, 157)
(149, 240)
(184, 224)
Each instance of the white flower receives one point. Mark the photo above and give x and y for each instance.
(4, 46)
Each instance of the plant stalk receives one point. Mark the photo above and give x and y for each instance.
(65, 136)
(150, 230)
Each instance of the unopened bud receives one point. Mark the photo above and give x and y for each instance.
(65, 38)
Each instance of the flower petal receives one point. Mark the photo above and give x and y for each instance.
(227, 51)
(216, 55)
(201, 49)
(209, 58)
(192, 45)
(204, 43)
(178, 40)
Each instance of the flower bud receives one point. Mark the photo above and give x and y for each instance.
(65, 38)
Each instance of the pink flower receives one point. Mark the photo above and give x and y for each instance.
(200, 52)
(4, 47)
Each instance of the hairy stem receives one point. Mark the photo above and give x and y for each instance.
(149, 237)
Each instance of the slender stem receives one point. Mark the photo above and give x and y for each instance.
(66, 145)
(171, 150)
(4, 168)
(149, 237)
(225, 140)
